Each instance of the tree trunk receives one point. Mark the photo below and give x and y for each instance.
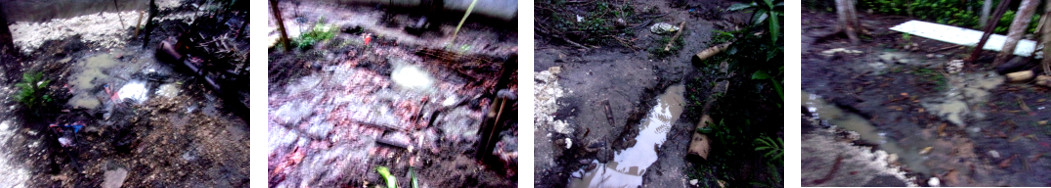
(7, 42)
(986, 7)
(280, 25)
(1018, 28)
(848, 20)
(1046, 38)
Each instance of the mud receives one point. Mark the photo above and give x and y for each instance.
(577, 136)
(133, 137)
(966, 129)
(344, 107)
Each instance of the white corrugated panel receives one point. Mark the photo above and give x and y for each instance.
(962, 36)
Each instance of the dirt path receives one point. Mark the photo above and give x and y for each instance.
(966, 129)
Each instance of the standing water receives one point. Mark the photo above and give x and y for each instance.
(629, 165)
(834, 115)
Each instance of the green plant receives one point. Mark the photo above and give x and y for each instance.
(657, 50)
(392, 182)
(932, 77)
(762, 75)
(33, 91)
(319, 33)
(764, 12)
(772, 149)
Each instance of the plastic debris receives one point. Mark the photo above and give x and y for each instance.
(663, 28)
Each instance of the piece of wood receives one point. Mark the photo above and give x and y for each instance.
(149, 23)
(1045, 38)
(7, 42)
(1018, 28)
(711, 51)
(667, 47)
(280, 25)
(988, 31)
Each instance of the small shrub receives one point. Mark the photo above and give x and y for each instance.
(33, 91)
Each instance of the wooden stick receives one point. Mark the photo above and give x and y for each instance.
(988, 31)
(667, 47)
(711, 51)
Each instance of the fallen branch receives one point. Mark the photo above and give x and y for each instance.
(667, 47)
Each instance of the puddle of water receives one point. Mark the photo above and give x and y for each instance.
(823, 110)
(964, 97)
(85, 100)
(629, 165)
(91, 71)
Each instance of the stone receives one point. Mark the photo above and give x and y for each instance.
(1020, 76)
(693, 182)
(1043, 80)
(954, 66)
(114, 178)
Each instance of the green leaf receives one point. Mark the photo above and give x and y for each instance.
(775, 29)
(385, 173)
(759, 75)
(739, 6)
(412, 174)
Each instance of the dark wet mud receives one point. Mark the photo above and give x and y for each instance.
(963, 129)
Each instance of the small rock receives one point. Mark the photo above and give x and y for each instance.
(994, 154)
(620, 23)
(663, 28)
(1043, 80)
(1020, 76)
(954, 66)
(934, 182)
(569, 143)
(832, 52)
(114, 178)
(693, 182)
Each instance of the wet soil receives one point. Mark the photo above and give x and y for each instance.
(344, 107)
(607, 91)
(967, 129)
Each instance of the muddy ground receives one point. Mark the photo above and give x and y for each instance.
(147, 123)
(965, 129)
(593, 98)
(376, 95)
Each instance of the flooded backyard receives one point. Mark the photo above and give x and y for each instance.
(886, 115)
(104, 111)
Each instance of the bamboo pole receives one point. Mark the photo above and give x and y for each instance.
(1018, 28)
